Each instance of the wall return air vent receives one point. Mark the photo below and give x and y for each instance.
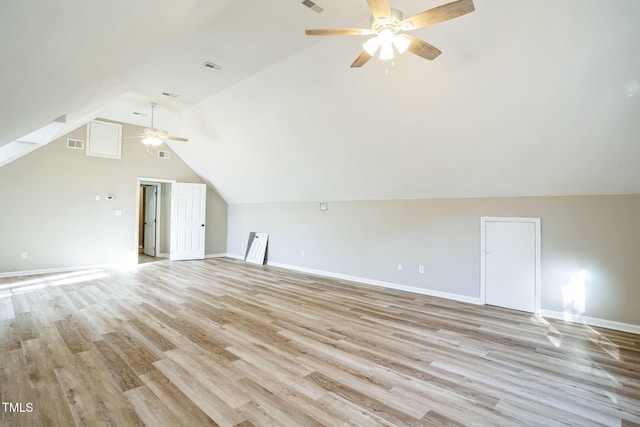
(78, 144)
(164, 154)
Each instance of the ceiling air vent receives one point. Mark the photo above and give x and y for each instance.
(170, 94)
(311, 5)
(78, 144)
(213, 66)
(164, 154)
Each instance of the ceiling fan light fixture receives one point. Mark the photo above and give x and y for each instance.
(386, 36)
(386, 52)
(401, 43)
(152, 140)
(372, 45)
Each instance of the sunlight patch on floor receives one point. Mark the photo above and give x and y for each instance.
(25, 286)
(611, 348)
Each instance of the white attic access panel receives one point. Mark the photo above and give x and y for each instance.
(104, 139)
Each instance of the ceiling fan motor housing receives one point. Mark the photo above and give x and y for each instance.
(391, 22)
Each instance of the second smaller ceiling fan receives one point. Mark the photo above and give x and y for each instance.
(155, 137)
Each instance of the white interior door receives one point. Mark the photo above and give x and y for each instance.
(511, 262)
(150, 220)
(188, 210)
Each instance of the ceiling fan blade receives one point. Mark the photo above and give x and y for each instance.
(422, 48)
(380, 8)
(361, 59)
(175, 138)
(339, 32)
(439, 14)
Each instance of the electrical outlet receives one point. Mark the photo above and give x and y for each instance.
(301, 254)
(421, 269)
(24, 255)
(399, 267)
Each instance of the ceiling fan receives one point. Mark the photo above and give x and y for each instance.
(389, 27)
(155, 137)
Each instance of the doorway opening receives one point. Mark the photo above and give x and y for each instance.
(170, 220)
(153, 224)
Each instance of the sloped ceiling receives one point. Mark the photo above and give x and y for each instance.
(528, 97)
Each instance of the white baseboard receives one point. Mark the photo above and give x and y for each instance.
(591, 321)
(388, 285)
(217, 256)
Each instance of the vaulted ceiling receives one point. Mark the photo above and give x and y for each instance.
(528, 97)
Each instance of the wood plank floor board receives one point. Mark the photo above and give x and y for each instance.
(278, 407)
(52, 409)
(256, 415)
(283, 378)
(176, 401)
(79, 302)
(370, 403)
(74, 341)
(134, 359)
(424, 376)
(98, 323)
(20, 304)
(460, 409)
(15, 387)
(85, 293)
(536, 398)
(153, 335)
(9, 335)
(195, 388)
(143, 346)
(355, 414)
(221, 380)
(222, 342)
(151, 410)
(107, 388)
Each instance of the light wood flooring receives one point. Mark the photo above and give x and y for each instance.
(220, 342)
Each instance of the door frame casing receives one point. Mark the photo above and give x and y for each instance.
(148, 181)
(483, 258)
